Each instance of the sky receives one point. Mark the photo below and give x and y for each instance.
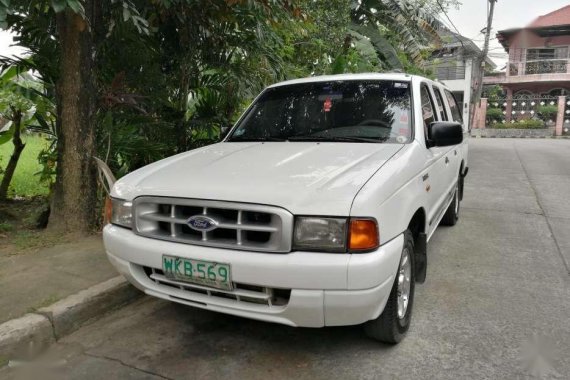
(469, 19)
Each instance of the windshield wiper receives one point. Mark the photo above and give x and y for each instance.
(337, 138)
(258, 139)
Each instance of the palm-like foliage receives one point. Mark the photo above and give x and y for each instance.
(393, 25)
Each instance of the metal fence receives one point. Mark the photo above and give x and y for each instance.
(554, 66)
(524, 108)
(546, 60)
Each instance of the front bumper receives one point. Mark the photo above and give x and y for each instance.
(326, 289)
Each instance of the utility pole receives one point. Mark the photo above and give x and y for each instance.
(481, 63)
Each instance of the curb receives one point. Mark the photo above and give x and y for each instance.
(28, 335)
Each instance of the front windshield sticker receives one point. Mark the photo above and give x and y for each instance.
(400, 85)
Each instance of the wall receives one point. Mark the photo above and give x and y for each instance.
(528, 39)
(506, 133)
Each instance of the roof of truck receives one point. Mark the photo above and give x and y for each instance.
(339, 77)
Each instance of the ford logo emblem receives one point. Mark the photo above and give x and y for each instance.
(202, 223)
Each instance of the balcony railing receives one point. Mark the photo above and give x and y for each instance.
(547, 66)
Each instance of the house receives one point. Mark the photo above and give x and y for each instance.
(539, 57)
(454, 65)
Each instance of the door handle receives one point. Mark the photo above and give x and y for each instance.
(446, 160)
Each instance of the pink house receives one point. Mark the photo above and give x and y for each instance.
(539, 57)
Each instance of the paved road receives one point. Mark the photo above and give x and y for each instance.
(496, 303)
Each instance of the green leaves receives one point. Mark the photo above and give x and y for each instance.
(6, 136)
(74, 5)
(4, 11)
(131, 14)
(58, 5)
(382, 46)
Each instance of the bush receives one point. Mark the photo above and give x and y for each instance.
(494, 114)
(547, 112)
(522, 124)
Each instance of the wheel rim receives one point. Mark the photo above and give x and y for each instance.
(404, 282)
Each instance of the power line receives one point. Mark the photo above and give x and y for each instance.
(451, 22)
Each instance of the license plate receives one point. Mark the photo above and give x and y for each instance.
(199, 272)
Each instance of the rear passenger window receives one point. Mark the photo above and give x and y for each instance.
(455, 111)
(440, 104)
(428, 109)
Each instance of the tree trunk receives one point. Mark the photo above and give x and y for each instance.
(74, 199)
(18, 148)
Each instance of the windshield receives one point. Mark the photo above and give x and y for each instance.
(352, 111)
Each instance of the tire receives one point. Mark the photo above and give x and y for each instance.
(392, 325)
(451, 216)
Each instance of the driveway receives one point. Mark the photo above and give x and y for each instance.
(496, 303)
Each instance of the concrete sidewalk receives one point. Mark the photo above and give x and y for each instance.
(51, 292)
(32, 280)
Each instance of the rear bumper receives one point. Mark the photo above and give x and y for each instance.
(326, 289)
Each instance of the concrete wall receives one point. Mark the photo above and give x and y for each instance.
(507, 133)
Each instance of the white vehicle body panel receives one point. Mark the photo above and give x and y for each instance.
(290, 175)
(387, 182)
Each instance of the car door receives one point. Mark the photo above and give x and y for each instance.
(434, 174)
(456, 115)
(452, 157)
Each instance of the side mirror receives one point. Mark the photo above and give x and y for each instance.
(445, 133)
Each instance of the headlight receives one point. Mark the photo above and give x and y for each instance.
(121, 212)
(320, 234)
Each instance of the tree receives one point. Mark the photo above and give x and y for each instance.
(74, 197)
(399, 30)
(72, 26)
(134, 81)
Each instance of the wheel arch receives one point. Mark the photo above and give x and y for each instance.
(417, 227)
(462, 173)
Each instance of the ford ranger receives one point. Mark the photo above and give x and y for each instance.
(314, 210)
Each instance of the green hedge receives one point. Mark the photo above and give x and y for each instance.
(495, 114)
(548, 112)
(522, 124)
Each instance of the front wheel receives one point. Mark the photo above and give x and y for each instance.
(391, 326)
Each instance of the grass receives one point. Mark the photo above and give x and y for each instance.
(25, 183)
(51, 299)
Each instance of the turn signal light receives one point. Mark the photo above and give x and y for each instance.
(363, 235)
(108, 212)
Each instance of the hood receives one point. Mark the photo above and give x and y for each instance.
(303, 177)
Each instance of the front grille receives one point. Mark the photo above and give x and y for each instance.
(240, 226)
(270, 297)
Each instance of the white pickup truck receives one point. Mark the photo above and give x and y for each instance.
(315, 209)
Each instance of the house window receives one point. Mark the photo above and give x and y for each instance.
(547, 60)
(547, 53)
